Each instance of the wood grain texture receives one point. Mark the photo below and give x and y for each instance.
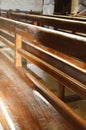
(23, 106)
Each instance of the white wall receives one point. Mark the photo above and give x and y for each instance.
(25, 5)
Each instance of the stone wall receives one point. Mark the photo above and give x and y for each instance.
(25, 5)
(28, 5)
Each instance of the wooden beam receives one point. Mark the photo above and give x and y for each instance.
(18, 45)
(61, 92)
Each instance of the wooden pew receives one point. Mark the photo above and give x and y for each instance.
(59, 22)
(7, 12)
(55, 52)
(82, 18)
(63, 24)
(69, 58)
(21, 104)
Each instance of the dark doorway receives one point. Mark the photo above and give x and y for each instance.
(62, 6)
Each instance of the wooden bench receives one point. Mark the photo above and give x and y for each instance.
(55, 52)
(63, 24)
(21, 104)
(75, 45)
(70, 17)
(58, 22)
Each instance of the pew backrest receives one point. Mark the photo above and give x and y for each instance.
(68, 25)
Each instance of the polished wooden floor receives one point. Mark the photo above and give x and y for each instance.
(23, 108)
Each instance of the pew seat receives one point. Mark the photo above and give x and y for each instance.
(22, 106)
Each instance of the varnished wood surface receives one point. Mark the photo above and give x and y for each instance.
(7, 12)
(57, 22)
(21, 108)
(70, 17)
(43, 49)
(60, 41)
(25, 96)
